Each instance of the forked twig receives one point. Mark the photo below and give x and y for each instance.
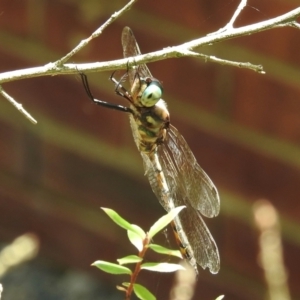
(59, 63)
(229, 25)
(246, 65)
(287, 19)
(95, 34)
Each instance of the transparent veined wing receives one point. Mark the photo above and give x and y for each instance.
(188, 185)
(190, 179)
(200, 239)
(131, 48)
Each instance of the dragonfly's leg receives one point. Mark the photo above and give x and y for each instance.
(120, 90)
(100, 102)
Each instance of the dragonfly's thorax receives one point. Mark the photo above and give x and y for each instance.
(150, 115)
(151, 124)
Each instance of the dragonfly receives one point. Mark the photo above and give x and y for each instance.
(172, 170)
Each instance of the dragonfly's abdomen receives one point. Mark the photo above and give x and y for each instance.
(183, 244)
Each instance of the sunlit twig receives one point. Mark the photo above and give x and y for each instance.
(18, 106)
(171, 52)
(229, 25)
(95, 34)
(58, 65)
(246, 65)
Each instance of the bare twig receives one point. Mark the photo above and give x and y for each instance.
(247, 65)
(17, 105)
(236, 13)
(295, 25)
(229, 25)
(95, 34)
(185, 49)
(58, 65)
(283, 20)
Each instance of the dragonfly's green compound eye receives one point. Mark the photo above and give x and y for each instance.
(151, 94)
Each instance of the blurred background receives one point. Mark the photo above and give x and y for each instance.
(243, 127)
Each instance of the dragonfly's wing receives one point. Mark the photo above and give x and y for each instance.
(131, 48)
(185, 175)
(201, 241)
(187, 184)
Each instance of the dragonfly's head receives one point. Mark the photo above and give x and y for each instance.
(152, 93)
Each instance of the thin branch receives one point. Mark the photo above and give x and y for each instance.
(283, 20)
(170, 52)
(295, 25)
(246, 65)
(59, 63)
(236, 13)
(17, 105)
(229, 25)
(95, 34)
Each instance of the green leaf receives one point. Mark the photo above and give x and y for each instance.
(136, 239)
(139, 231)
(162, 250)
(162, 267)
(111, 268)
(142, 293)
(164, 221)
(220, 297)
(121, 222)
(130, 259)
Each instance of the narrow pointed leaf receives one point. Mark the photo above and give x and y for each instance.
(130, 259)
(121, 221)
(142, 293)
(162, 250)
(111, 268)
(220, 297)
(164, 221)
(162, 267)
